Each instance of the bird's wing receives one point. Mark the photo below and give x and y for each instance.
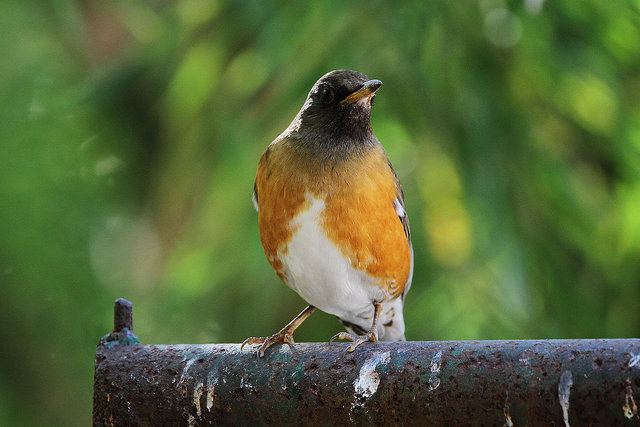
(401, 210)
(254, 198)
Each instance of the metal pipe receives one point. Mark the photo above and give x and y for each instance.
(122, 315)
(543, 382)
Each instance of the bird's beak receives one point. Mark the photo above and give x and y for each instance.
(366, 92)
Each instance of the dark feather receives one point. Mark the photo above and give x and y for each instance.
(404, 219)
(356, 329)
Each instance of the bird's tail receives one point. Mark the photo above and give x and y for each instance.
(391, 322)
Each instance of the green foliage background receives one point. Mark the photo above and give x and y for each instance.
(130, 133)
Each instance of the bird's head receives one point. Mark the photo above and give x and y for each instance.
(338, 108)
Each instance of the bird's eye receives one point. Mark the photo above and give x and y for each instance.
(327, 96)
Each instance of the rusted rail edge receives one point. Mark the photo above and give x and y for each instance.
(546, 382)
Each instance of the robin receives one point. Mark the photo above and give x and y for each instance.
(332, 216)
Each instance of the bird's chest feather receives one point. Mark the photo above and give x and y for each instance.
(333, 233)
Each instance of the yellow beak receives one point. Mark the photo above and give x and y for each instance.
(367, 91)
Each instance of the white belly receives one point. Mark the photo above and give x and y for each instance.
(319, 272)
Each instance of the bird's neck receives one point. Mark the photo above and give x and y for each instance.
(332, 149)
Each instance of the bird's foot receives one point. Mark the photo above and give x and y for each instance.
(357, 339)
(285, 336)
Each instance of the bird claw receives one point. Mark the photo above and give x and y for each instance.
(284, 337)
(356, 339)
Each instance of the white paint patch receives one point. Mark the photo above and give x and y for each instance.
(635, 360)
(197, 394)
(185, 373)
(629, 408)
(244, 384)
(564, 390)
(368, 381)
(212, 381)
(210, 391)
(185, 370)
(434, 377)
(507, 420)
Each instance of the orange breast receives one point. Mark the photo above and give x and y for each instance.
(361, 220)
(359, 216)
(281, 195)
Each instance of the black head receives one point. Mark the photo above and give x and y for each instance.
(338, 108)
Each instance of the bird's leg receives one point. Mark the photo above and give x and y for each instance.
(285, 335)
(372, 335)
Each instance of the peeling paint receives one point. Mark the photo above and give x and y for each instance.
(185, 370)
(564, 390)
(212, 381)
(318, 382)
(182, 385)
(629, 408)
(197, 394)
(368, 381)
(508, 422)
(434, 377)
(244, 384)
(635, 360)
(210, 391)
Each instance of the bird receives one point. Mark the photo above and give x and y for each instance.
(332, 217)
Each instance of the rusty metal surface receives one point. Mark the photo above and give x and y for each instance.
(122, 326)
(483, 383)
(122, 315)
(593, 382)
